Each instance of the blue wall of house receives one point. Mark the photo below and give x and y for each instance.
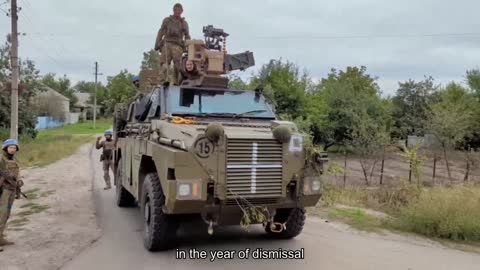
(44, 122)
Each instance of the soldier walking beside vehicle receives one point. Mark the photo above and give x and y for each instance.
(107, 156)
(9, 185)
(171, 41)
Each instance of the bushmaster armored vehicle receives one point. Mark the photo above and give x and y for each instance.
(200, 149)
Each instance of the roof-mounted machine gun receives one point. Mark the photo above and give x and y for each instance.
(213, 37)
(211, 57)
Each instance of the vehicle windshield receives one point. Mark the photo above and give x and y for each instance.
(228, 103)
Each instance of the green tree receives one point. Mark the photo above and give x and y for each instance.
(473, 80)
(451, 119)
(340, 99)
(410, 107)
(288, 86)
(151, 60)
(29, 77)
(120, 90)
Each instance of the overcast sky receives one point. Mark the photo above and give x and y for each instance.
(395, 40)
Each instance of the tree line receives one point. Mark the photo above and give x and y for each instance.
(344, 109)
(347, 107)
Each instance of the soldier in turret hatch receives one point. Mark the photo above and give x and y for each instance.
(190, 71)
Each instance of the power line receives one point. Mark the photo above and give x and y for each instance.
(55, 49)
(372, 36)
(305, 36)
(58, 53)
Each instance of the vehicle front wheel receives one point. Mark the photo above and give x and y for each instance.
(294, 220)
(160, 229)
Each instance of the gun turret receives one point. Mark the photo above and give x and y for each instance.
(213, 37)
(212, 60)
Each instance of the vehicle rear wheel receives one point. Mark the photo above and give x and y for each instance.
(294, 220)
(123, 198)
(160, 229)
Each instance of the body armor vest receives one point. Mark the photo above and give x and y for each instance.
(12, 169)
(108, 147)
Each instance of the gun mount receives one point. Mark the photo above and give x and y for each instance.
(213, 37)
(212, 60)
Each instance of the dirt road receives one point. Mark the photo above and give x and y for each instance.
(58, 220)
(59, 223)
(326, 246)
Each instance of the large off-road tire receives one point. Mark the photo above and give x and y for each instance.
(160, 229)
(295, 220)
(123, 198)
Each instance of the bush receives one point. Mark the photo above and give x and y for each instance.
(4, 134)
(452, 213)
(352, 196)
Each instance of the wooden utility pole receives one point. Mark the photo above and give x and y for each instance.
(15, 73)
(95, 96)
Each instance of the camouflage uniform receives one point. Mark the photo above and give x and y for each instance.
(171, 41)
(8, 168)
(107, 159)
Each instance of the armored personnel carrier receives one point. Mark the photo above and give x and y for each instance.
(203, 150)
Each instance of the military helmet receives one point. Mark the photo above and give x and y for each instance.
(9, 142)
(136, 79)
(108, 132)
(178, 5)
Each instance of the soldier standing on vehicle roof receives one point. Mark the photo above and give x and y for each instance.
(171, 41)
(107, 156)
(9, 184)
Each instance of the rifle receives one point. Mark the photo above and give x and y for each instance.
(6, 177)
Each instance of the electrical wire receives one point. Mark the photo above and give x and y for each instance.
(297, 37)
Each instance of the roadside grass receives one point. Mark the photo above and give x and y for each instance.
(19, 222)
(47, 193)
(32, 194)
(81, 128)
(54, 144)
(443, 212)
(356, 218)
(447, 213)
(35, 209)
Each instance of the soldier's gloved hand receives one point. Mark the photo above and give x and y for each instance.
(99, 138)
(20, 183)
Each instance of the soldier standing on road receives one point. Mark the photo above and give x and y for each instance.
(171, 41)
(107, 156)
(9, 183)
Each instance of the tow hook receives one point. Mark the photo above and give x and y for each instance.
(275, 225)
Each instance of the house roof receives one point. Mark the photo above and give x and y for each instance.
(51, 91)
(83, 99)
